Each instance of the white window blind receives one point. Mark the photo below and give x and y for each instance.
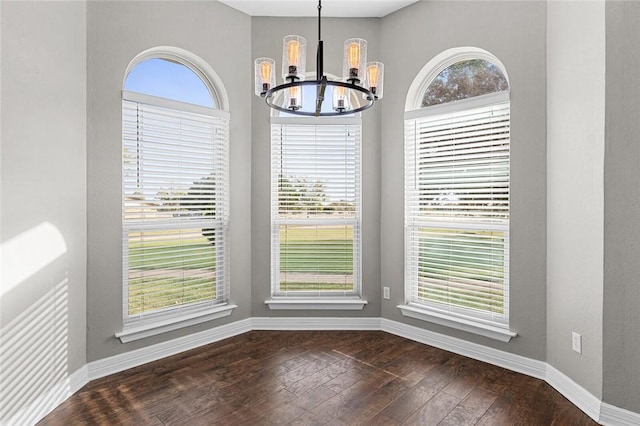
(457, 209)
(315, 201)
(175, 207)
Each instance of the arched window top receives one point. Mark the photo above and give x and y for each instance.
(168, 79)
(463, 80)
(176, 74)
(456, 74)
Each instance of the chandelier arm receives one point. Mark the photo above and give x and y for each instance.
(322, 86)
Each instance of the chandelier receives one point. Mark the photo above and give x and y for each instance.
(360, 79)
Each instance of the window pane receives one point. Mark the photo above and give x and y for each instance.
(465, 79)
(169, 80)
(316, 258)
(171, 268)
(169, 160)
(461, 268)
(462, 168)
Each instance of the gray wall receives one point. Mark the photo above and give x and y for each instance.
(62, 69)
(116, 33)
(621, 383)
(575, 198)
(515, 33)
(43, 200)
(267, 34)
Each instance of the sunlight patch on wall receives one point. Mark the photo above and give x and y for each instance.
(34, 372)
(29, 252)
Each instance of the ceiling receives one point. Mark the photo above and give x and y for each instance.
(333, 8)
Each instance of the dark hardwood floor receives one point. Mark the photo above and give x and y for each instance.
(317, 378)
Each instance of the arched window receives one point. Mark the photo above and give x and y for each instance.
(457, 193)
(175, 195)
(463, 80)
(315, 209)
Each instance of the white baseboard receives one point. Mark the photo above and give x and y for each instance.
(47, 402)
(579, 396)
(305, 323)
(604, 413)
(497, 357)
(78, 379)
(121, 362)
(610, 415)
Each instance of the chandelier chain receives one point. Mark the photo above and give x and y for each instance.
(319, 18)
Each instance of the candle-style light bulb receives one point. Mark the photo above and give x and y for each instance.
(293, 56)
(265, 75)
(354, 59)
(340, 98)
(375, 76)
(293, 98)
(372, 75)
(354, 55)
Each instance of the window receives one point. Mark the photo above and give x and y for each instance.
(175, 199)
(457, 200)
(315, 212)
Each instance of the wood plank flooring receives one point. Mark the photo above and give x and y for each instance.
(317, 378)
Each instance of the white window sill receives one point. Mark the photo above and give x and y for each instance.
(486, 330)
(135, 332)
(317, 304)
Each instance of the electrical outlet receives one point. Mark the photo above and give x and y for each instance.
(576, 342)
(386, 293)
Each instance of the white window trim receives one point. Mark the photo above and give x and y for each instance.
(469, 103)
(156, 101)
(347, 304)
(458, 322)
(172, 321)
